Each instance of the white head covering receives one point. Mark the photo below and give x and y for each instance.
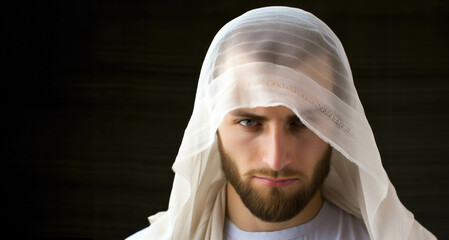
(281, 56)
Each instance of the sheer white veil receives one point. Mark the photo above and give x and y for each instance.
(280, 56)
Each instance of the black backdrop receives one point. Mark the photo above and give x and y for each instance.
(96, 96)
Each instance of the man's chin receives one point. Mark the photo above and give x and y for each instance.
(268, 192)
(265, 190)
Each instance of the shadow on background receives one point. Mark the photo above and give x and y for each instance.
(96, 97)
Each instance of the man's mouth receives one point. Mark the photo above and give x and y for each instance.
(275, 182)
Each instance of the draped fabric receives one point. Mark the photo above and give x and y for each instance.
(269, 57)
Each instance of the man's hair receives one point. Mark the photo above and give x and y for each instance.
(236, 46)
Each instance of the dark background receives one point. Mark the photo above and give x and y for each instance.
(96, 96)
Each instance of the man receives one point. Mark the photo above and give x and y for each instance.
(278, 146)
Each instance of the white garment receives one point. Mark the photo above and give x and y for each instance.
(281, 56)
(330, 223)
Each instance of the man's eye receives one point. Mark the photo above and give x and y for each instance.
(248, 123)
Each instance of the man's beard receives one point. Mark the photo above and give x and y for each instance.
(275, 204)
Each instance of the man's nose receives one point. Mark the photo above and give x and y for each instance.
(276, 150)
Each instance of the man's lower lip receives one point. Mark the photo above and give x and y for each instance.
(275, 182)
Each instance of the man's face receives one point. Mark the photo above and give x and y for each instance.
(272, 160)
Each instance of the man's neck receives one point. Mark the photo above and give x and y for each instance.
(246, 221)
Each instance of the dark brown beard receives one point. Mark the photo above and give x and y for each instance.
(276, 205)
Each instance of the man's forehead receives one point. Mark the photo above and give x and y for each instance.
(263, 111)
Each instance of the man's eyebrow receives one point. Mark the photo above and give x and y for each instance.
(249, 115)
(245, 114)
(292, 118)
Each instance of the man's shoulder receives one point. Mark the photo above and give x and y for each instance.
(345, 224)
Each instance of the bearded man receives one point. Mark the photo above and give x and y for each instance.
(278, 145)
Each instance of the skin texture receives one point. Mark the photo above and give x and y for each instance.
(275, 168)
